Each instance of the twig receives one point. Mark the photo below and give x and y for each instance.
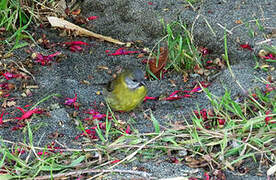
(40, 148)
(131, 155)
(229, 31)
(115, 147)
(79, 172)
(135, 152)
(22, 68)
(262, 19)
(263, 42)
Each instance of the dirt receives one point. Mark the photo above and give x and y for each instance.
(139, 20)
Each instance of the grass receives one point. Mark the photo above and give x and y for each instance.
(192, 1)
(244, 135)
(223, 137)
(183, 55)
(16, 17)
(270, 49)
(265, 63)
(16, 21)
(251, 32)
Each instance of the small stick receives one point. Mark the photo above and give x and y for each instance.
(140, 173)
(230, 32)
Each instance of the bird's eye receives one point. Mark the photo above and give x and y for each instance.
(134, 80)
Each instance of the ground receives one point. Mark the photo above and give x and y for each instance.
(140, 20)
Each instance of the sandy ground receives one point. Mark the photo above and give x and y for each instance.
(138, 20)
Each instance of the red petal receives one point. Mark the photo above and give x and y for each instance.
(92, 17)
(21, 109)
(128, 131)
(116, 161)
(246, 46)
(1, 117)
(76, 43)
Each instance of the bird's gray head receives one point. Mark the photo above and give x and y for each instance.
(135, 78)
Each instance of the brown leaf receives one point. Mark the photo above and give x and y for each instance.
(80, 20)
(8, 103)
(85, 82)
(219, 62)
(75, 114)
(156, 66)
(185, 77)
(199, 71)
(8, 55)
(61, 7)
(11, 86)
(172, 82)
(238, 22)
(141, 55)
(269, 79)
(76, 12)
(195, 162)
(54, 135)
(220, 174)
(11, 103)
(103, 67)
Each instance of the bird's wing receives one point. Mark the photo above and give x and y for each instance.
(110, 86)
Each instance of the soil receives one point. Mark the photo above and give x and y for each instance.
(140, 20)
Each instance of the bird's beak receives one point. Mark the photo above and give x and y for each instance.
(143, 83)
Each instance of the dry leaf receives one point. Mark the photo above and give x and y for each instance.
(220, 174)
(185, 77)
(61, 7)
(61, 23)
(103, 67)
(271, 170)
(195, 163)
(172, 82)
(199, 71)
(269, 79)
(76, 12)
(262, 53)
(85, 82)
(219, 62)
(75, 114)
(80, 20)
(8, 55)
(28, 92)
(11, 103)
(264, 66)
(156, 66)
(141, 55)
(273, 34)
(206, 72)
(238, 22)
(11, 86)
(32, 87)
(6, 104)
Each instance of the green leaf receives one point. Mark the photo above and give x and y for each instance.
(20, 45)
(3, 4)
(77, 161)
(6, 177)
(155, 124)
(14, 158)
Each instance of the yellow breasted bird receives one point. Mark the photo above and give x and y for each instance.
(127, 90)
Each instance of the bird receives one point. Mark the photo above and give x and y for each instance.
(126, 91)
